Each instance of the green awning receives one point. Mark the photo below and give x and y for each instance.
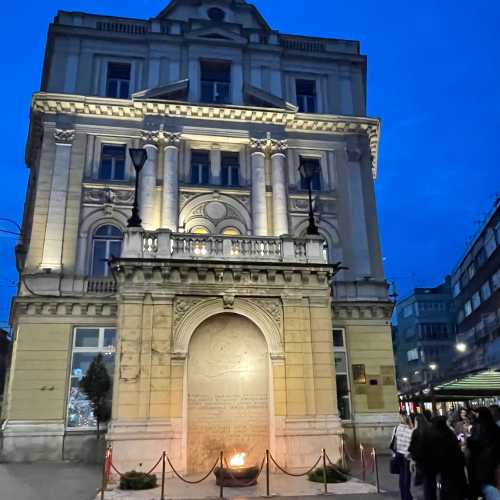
(482, 384)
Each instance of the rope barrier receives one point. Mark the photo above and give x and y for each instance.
(155, 465)
(291, 473)
(187, 480)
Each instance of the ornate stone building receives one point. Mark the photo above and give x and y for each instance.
(225, 326)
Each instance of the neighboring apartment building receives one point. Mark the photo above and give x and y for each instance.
(476, 291)
(425, 336)
(222, 322)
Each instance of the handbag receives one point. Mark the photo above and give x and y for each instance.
(395, 462)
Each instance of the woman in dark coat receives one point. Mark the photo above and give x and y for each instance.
(446, 458)
(484, 452)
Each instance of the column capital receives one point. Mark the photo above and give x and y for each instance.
(160, 137)
(64, 136)
(353, 154)
(268, 145)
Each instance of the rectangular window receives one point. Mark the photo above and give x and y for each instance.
(471, 271)
(468, 308)
(112, 167)
(412, 355)
(200, 167)
(486, 291)
(216, 82)
(495, 281)
(490, 245)
(118, 80)
(476, 301)
(480, 258)
(87, 344)
(230, 169)
(456, 289)
(316, 179)
(342, 375)
(306, 96)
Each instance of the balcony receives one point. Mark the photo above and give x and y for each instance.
(163, 244)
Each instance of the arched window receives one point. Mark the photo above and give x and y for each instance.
(199, 230)
(231, 231)
(106, 243)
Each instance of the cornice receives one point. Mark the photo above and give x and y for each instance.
(365, 310)
(47, 103)
(37, 306)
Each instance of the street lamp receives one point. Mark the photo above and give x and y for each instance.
(308, 169)
(461, 347)
(433, 367)
(139, 157)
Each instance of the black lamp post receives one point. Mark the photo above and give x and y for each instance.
(308, 170)
(139, 157)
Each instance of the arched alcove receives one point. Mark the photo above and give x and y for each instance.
(227, 391)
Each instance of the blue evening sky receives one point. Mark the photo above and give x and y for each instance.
(433, 78)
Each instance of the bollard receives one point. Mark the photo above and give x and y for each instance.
(363, 465)
(104, 468)
(325, 484)
(375, 465)
(163, 459)
(268, 488)
(221, 493)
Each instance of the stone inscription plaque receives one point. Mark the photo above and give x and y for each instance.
(228, 394)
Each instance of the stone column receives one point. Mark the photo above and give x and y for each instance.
(53, 244)
(278, 177)
(259, 203)
(170, 198)
(147, 188)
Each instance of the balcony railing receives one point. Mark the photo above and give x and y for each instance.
(101, 285)
(164, 244)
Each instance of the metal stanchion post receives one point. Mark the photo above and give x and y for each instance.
(342, 452)
(104, 468)
(363, 465)
(325, 484)
(375, 465)
(163, 460)
(221, 494)
(268, 488)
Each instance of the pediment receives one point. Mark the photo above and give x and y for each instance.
(170, 92)
(236, 12)
(217, 34)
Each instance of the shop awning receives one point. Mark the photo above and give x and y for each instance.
(482, 384)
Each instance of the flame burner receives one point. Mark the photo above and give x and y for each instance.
(237, 475)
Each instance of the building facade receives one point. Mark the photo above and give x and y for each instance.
(224, 324)
(476, 291)
(4, 360)
(424, 337)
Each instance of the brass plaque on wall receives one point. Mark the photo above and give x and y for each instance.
(359, 374)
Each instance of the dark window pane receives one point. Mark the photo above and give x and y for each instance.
(119, 71)
(109, 337)
(212, 71)
(225, 176)
(119, 170)
(105, 170)
(306, 87)
(195, 178)
(99, 263)
(124, 90)
(81, 363)
(87, 337)
(115, 249)
(338, 338)
(205, 174)
(112, 88)
(235, 177)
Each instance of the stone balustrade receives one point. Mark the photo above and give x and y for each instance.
(163, 244)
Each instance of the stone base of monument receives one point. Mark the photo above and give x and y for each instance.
(236, 477)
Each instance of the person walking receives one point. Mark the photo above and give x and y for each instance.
(445, 457)
(401, 440)
(484, 454)
(423, 481)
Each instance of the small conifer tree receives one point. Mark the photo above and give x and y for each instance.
(96, 385)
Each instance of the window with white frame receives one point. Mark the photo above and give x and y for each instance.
(342, 374)
(468, 308)
(490, 244)
(118, 80)
(106, 244)
(230, 169)
(200, 167)
(112, 166)
(306, 95)
(88, 342)
(476, 301)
